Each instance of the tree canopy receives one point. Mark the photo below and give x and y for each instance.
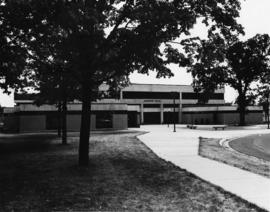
(220, 62)
(103, 40)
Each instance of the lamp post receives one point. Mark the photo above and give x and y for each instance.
(174, 120)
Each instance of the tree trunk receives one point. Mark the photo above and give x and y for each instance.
(64, 122)
(268, 123)
(242, 116)
(242, 107)
(85, 126)
(59, 114)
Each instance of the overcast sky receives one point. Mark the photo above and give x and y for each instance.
(255, 16)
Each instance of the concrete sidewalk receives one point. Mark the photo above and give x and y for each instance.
(181, 148)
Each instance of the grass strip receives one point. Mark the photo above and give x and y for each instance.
(210, 148)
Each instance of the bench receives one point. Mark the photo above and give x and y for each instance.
(219, 127)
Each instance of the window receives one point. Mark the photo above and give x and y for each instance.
(104, 120)
(170, 105)
(149, 95)
(219, 96)
(151, 105)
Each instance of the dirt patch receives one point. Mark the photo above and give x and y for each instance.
(123, 175)
(210, 148)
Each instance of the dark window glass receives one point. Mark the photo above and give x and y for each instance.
(150, 95)
(168, 95)
(170, 105)
(133, 119)
(219, 96)
(170, 117)
(104, 120)
(152, 118)
(151, 106)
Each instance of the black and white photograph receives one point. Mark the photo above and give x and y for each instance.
(134, 105)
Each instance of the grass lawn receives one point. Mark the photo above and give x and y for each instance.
(210, 148)
(124, 175)
(255, 145)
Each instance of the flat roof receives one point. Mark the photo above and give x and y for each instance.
(158, 84)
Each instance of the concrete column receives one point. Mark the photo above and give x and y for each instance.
(142, 117)
(180, 119)
(161, 114)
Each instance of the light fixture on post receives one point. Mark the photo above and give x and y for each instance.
(174, 119)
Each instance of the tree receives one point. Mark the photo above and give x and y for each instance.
(25, 60)
(109, 39)
(262, 93)
(12, 55)
(55, 87)
(220, 62)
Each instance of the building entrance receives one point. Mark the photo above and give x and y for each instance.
(152, 117)
(170, 117)
(133, 119)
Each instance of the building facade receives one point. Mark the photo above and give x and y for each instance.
(135, 105)
(157, 103)
(221, 115)
(27, 117)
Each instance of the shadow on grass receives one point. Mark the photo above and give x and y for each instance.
(26, 144)
(121, 176)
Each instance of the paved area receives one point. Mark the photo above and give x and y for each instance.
(181, 148)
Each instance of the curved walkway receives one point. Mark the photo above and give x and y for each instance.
(181, 148)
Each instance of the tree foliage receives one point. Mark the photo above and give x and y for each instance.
(262, 93)
(103, 41)
(219, 61)
(12, 57)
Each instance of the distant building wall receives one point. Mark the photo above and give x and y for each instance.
(30, 118)
(32, 123)
(254, 118)
(120, 121)
(149, 104)
(221, 115)
(93, 122)
(234, 117)
(153, 103)
(11, 123)
(198, 118)
(73, 122)
(231, 118)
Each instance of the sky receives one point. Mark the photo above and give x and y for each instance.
(254, 17)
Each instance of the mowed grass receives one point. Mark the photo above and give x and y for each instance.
(123, 175)
(255, 145)
(210, 148)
